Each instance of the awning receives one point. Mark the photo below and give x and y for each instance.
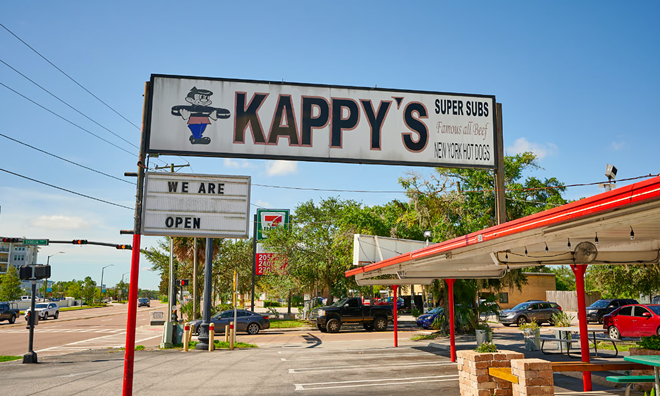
(621, 224)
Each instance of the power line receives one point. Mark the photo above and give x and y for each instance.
(64, 189)
(70, 78)
(64, 159)
(70, 122)
(71, 107)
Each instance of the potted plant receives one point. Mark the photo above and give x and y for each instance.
(532, 335)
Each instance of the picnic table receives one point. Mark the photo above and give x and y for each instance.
(649, 360)
(573, 329)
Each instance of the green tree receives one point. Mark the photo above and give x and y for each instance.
(10, 285)
(74, 290)
(624, 281)
(88, 290)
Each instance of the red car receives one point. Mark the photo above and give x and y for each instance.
(636, 320)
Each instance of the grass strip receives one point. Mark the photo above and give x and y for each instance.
(8, 358)
(288, 323)
(431, 336)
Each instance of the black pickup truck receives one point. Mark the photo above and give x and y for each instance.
(8, 311)
(350, 310)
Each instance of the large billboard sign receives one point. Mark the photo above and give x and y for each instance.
(291, 121)
(192, 205)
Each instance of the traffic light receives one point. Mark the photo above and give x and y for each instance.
(124, 247)
(184, 282)
(79, 241)
(27, 272)
(12, 240)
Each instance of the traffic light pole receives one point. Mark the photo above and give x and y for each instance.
(31, 355)
(129, 353)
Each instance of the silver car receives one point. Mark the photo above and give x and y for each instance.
(45, 310)
(246, 321)
(538, 311)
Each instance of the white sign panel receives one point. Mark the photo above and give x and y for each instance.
(369, 249)
(211, 206)
(274, 120)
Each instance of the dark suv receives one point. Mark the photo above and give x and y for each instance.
(600, 308)
(539, 311)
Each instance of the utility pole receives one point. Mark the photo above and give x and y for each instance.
(171, 299)
(500, 193)
(195, 297)
(254, 259)
(102, 269)
(46, 280)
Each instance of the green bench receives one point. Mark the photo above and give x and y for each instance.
(630, 380)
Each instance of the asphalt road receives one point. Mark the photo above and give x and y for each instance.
(94, 328)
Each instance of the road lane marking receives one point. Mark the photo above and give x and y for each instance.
(375, 382)
(338, 368)
(360, 356)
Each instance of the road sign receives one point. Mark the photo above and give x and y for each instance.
(35, 241)
(192, 205)
(270, 218)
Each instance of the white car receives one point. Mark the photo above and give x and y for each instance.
(44, 310)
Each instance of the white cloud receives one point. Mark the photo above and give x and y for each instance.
(281, 168)
(230, 163)
(263, 204)
(541, 150)
(147, 268)
(60, 223)
(618, 145)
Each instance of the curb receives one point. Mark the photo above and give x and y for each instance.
(439, 346)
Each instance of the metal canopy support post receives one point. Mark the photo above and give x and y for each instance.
(452, 331)
(579, 270)
(500, 193)
(254, 259)
(395, 303)
(129, 354)
(206, 310)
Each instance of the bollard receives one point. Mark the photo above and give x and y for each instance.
(190, 334)
(186, 331)
(211, 337)
(227, 333)
(231, 336)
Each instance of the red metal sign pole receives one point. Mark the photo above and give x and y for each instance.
(579, 270)
(129, 353)
(396, 332)
(452, 332)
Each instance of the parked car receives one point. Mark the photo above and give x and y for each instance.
(539, 311)
(144, 302)
(600, 308)
(389, 301)
(9, 312)
(351, 310)
(45, 310)
(425, 321)
(637, 320)
(246, 321)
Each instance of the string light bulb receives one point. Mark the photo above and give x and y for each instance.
(546, 248)
(525, 251)
(632, 234)
(569, 244)
(596, 240)
(507, 268)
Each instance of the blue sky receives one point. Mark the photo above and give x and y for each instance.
(578, 82)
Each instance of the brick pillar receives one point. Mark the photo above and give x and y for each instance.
(534, 377)
(473, 372)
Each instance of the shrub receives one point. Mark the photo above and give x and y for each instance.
(437, 323)
(562, 319)
(486, 347)
(272, 304)
(652, 343)
(415, 312)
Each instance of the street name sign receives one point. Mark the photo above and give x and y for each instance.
(215, 117)
(35, 241)
(192, 205)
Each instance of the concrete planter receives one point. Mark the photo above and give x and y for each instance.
(562, 335)
(532, 340)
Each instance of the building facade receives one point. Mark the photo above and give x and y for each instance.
(537, 284)
(16, 255)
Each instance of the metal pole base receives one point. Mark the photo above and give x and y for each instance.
(203, 338)
(30, 357)
(167, 339)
